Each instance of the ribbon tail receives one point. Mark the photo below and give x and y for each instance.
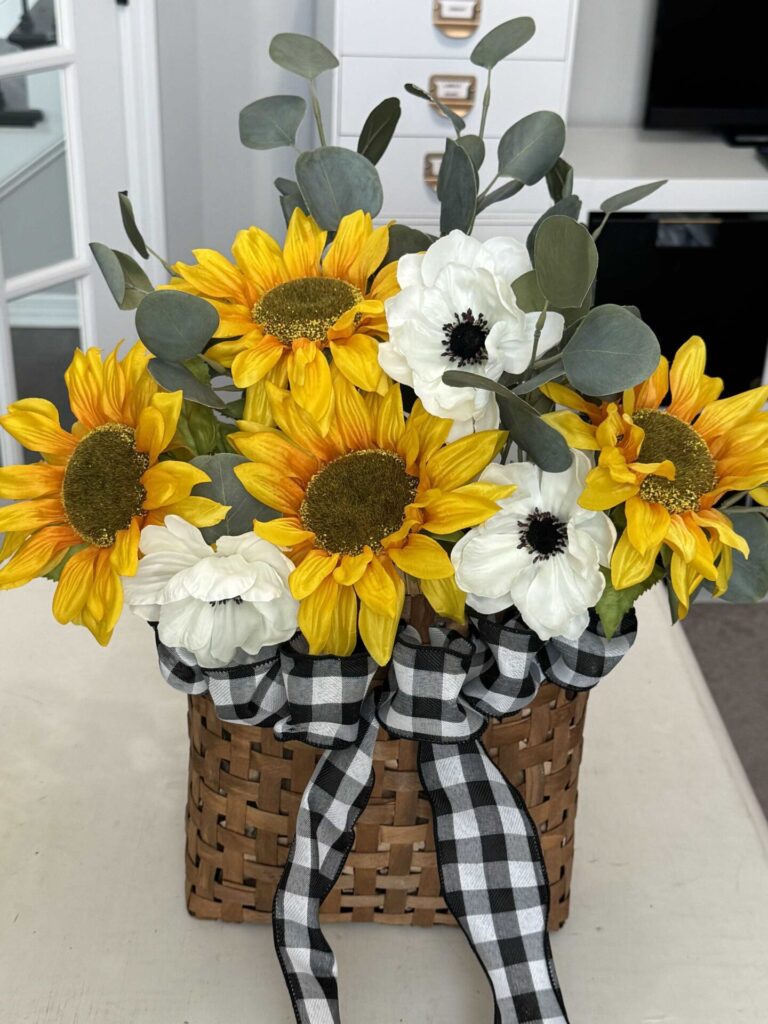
(493, 878)
(334, 799)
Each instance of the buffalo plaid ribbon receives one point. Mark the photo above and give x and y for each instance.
(441, 695)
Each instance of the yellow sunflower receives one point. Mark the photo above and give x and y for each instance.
(359, 502)
(286, 306)
(670, 466)
(95, 487)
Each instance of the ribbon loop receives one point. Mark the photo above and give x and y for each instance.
(511, 675)
(581, 664)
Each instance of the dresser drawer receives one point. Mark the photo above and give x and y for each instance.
(404, 28)
(518, 88)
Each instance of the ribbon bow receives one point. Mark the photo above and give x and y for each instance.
(439, 694)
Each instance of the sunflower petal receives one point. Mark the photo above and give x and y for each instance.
(197, 511)
(285, 533)
(352, 567)
(304, 244)
(445, 596)
(630, 566)
(342, 637)
(422, 558)
(168, 482)
(647, 523)
(74, 586)
(685, 378)
(271, 486)
(38, 480)
(576, 431)
(125, 551)
(316, 614)
(376, 589)
(358, 359)
(310, 377)
(38, 555)
(461, 461)
(31, 515)
(310, 573)
(37, 432)
(254, 362)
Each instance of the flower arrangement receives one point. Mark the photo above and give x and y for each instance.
(317, 446)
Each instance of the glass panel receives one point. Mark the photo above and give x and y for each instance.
(35, 223)
(26, 25)
(45, 331)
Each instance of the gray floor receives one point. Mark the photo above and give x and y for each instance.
(731, 645)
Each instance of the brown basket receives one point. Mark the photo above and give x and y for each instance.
(244, 793)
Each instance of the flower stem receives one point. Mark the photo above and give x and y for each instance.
(733, 500)
(486, 104)
(318, 114)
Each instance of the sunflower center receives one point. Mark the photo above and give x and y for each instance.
(102, 488)
(465, 338)
(542, 535)
(305, 308)
(358, 499)
(667, 437)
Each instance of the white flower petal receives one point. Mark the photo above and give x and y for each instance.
(455, 247)
(509, 258)
(409, 269)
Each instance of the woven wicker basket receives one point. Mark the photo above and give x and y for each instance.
(244, 793)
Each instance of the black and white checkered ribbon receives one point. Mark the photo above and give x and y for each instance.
(440, 694)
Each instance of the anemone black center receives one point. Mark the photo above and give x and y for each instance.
(305, 308)
(102, 489)
(542, 535)
(358, 500)
(465, 338)
(667, 437)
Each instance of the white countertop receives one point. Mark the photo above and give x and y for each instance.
(670, 895)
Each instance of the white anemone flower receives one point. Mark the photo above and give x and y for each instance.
(221, 604)
(541, 552)
(457, 310)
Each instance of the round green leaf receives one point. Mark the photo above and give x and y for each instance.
(475, 148)
(404, 240)
(125, 279)
(335, 182)
(378, 129)
(632, 195)
(749, 581)
(302, 55)
(175, 377)
(531, 147)
(529, 296)
(560, 180)
(565, 258)
(568, 206)
(175, 326)
(272, 122)
(501, 41)
(456, 189)
(610, 350)
(135, 237)
(227, 490)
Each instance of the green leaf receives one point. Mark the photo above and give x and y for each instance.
(505, 191)
(227, 489)
(457, 122)
(749, 581)
(125, 279)
(335, 182)
(501, 41)
(565, 258)
(531, 147)
(404, 240)
(303, 55)
(272, 122)
(632, 195)
(543, 443)
(456, 189)
(290, 197)
(560, 180)
(378, 129)
(475, 148)
(614, 604)
(287, 186)
(610, 350)
(570, 206)
(176, 377)
(542, 377)
(174, 325)
(530, 297)
(129, 223)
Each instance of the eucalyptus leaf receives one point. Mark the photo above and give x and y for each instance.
(532, 146)
(501, 41)
(565, 259)
(287, 186)
(632, 195)
(135, 237)
(272, 122)
(749, 580)
(457, 122)
(290, 203)
(174, 325)
(475, 148)
(225, 488)
(614, 604)
(505, 191)
(570, 206)
(529, 296)
(335, 182)
(560, 180)
(124, 277)
(456, 189)
(176, 377)
(467, 379)
(544, 376)
(610, 350)
(404, 240)
(378, 129)
(303, 55)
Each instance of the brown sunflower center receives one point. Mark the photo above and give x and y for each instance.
(667, 437)
(305, 308)
(358, 499)
(102, 488)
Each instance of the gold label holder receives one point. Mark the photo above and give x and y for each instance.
(457, 19)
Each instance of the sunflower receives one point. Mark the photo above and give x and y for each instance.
(670, 466)
(285, 307)
(359, 502)
(95, 487)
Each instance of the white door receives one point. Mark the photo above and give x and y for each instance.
(78, 123)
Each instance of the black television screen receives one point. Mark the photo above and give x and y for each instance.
(709, 66)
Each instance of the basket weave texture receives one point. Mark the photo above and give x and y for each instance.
(244, 793)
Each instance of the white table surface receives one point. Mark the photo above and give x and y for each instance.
(670, 894)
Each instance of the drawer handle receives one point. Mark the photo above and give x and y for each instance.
(457, 19)
(432, 163)
(457, 92)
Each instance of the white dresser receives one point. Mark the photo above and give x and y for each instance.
(383, 45)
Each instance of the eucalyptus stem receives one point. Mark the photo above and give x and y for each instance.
(318, 114)
(165, 263)
(536, 339)
(487, 188)
(486, 104)
(734, 499)
(599, 229)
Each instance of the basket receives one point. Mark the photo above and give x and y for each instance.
(244, 793)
